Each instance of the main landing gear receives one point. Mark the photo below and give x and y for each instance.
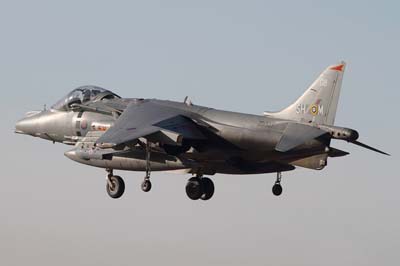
(200, 187)
(115, 185)
(277, 188)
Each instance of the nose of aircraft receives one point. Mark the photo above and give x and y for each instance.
(29, 124)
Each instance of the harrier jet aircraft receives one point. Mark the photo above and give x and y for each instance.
(137, 134)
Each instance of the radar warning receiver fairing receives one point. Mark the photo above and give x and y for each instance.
(116, 133)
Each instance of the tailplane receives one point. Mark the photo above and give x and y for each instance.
(319, 102)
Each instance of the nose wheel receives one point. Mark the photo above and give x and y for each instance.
(115, 186)
(200, 188)
(146, 185)
(277, 188)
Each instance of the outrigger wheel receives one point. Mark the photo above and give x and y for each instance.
(146, 184)
(277, 188)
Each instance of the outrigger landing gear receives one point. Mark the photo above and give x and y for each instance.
(115, 185)
(200, 187)
(146, 184)
(277, 188)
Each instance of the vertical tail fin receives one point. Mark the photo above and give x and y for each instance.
(319, 102)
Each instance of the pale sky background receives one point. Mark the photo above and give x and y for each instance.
(247, 56)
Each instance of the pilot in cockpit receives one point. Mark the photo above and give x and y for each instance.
(82, 95)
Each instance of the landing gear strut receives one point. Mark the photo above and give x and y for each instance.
(277, 188)
(115, 185)
(200, 187)
(146, 184)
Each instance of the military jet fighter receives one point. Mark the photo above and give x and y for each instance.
(136, 134)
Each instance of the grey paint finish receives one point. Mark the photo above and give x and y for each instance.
(186, 136)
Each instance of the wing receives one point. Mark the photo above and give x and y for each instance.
(153, 121)
(296, 135)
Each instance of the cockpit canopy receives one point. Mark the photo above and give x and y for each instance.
(83, 95)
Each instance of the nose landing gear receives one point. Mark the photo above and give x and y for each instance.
(115, 185)
(277, 188)
(146, 185)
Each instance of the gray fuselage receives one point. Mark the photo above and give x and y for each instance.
(243, 143)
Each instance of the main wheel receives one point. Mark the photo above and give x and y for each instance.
(277, 189)
(116, 187)
(146, 185)
(194, 188)
(208, 188)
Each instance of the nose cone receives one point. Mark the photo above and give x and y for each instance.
(28, 125)
(72, 155)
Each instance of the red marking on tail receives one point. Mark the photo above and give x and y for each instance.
(338, 68)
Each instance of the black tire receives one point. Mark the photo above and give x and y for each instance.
(118, 187)
(277, 189)
(146, 185)
(208, 188)
(194, 188)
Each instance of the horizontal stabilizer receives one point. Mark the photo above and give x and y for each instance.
(296, 135)
(337, 153)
